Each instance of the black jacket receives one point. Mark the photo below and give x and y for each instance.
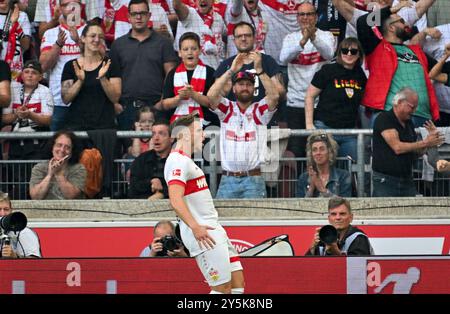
(144, 168)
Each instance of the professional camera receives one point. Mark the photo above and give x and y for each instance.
(169, 243)
(328, 234)
(15, 222)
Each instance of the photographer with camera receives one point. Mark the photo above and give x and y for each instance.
(165, 242)
(16, 241)
(340, 237)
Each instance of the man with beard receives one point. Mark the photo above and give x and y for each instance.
(412, 12)
(243, 138)
(394, 65)
(206, 23)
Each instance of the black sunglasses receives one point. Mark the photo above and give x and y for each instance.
(319, 138)
(353, 51)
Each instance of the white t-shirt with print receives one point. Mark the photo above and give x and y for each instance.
(41, 102)
(69, 51)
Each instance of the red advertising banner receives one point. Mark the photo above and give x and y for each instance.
(167, 275)
(130, 241)
(263, 275)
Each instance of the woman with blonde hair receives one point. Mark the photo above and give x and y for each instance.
(322, 178)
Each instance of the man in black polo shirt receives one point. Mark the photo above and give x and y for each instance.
(145, 58)
(395, 146)
(5, 91)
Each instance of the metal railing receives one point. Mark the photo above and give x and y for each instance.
(12, 172)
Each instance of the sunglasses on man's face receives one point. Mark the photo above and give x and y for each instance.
(353, 51)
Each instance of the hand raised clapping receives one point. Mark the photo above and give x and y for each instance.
(104, 69)
(79, 71)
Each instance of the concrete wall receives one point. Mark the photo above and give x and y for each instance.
(270, 209)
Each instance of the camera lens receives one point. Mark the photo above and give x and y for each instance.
(169, 243)
(328, 234)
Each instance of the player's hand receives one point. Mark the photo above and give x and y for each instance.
(202, 236)
(177, 253)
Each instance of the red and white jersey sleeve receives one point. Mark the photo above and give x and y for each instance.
(16, 64)
(70, 51)
(213, 46)
(243, 134)
(281, 18)
(181, 170)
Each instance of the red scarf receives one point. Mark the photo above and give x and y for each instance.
(208, 20)
(15, 33)
(198, 82)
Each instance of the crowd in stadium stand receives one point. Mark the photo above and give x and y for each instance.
(107, 65)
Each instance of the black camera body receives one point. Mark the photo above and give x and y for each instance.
(328, 234)
(169, 243)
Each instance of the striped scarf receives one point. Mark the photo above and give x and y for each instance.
(198, 82)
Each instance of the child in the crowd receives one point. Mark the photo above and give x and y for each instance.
(186, 86)
(145, 118)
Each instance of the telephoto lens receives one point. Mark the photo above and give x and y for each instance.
(328, 234)
(16, 221)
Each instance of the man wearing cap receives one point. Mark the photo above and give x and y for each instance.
(30, 110)
(243, 137)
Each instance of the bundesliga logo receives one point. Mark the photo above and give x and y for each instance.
(176, 172)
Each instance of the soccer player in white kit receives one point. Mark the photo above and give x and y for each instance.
(191, 198)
